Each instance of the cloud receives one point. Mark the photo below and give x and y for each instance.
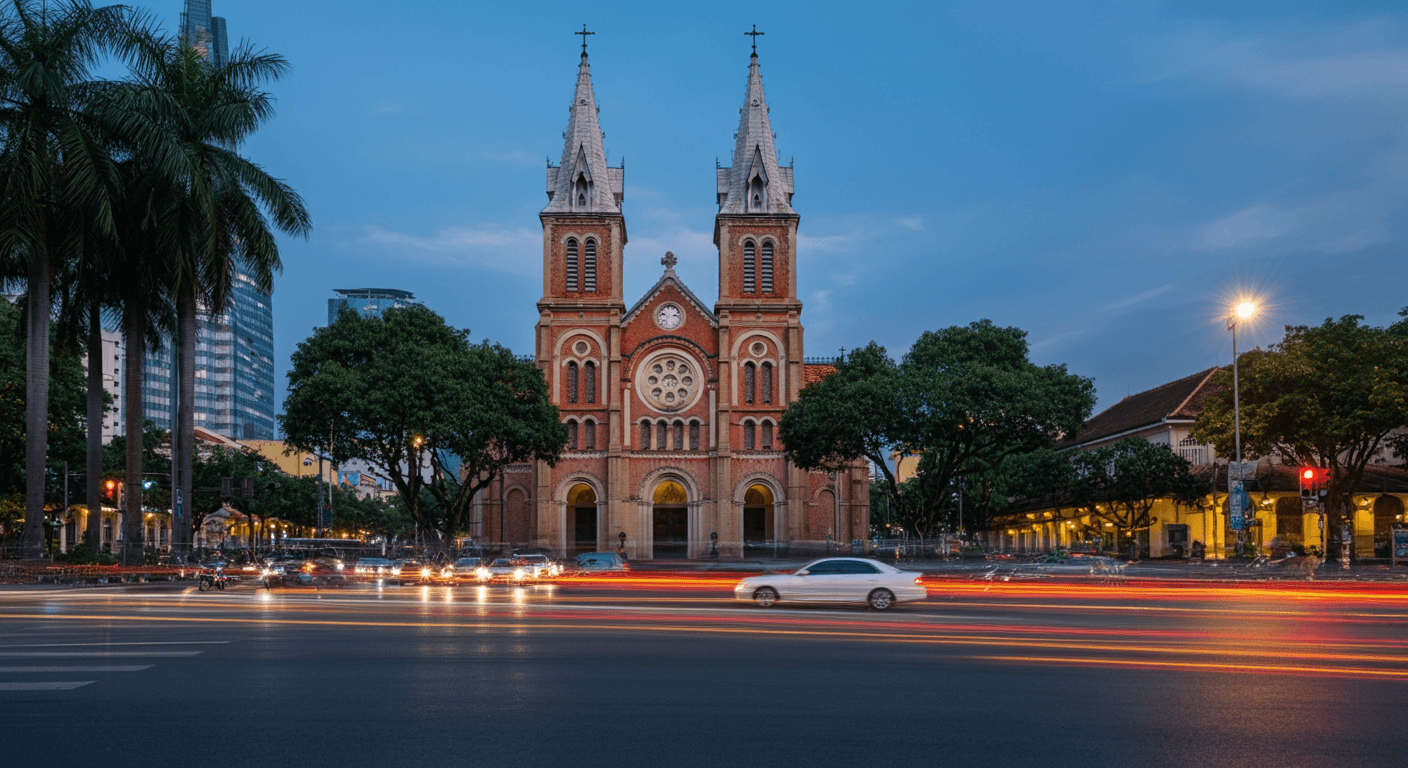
(915, 223)
(1141, 297)
(502, 249)
(1335, 224)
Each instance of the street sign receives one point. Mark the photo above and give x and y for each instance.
(1400, 546)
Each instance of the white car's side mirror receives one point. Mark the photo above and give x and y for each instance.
(801, 573)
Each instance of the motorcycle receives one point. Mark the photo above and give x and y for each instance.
(211, 578)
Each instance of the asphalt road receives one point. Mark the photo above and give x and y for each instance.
(667, 671)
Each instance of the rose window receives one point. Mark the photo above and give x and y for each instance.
(670, 382)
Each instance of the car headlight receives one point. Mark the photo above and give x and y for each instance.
(425, 571)
(482, 573)
(518, 573)
(340, 566)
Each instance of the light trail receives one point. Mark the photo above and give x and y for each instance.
(1392, 674)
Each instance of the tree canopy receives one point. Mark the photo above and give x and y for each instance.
(963, 400)
(1329, 396)
(405, 392)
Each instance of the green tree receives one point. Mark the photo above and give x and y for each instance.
(963, 400)
(1328, 396)
(54, 167)
(403, 391)
(212, 224)
(1119, 484)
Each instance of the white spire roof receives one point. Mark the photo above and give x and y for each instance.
(582, 182)
(755, 183)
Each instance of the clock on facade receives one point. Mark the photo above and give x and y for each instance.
(669, 317)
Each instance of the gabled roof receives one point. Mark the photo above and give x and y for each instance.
(670, 278)
(754, 154)
(1180, 400)
(584, 156)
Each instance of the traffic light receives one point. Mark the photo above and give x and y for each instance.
(110, 489)
(1307, 481)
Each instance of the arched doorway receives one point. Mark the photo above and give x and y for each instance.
(671, 521)
(1290, 522)
(1388, 511)
(758, 526)
(581, 519)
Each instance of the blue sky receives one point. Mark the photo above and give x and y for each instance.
(1102, 175)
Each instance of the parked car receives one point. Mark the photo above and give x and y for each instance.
(835, 580)
(601, 562)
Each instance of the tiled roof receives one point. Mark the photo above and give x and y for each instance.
(1181, 399)
(812, 373)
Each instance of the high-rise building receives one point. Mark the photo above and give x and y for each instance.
(368, 301)
(206, 31)
(234, 369)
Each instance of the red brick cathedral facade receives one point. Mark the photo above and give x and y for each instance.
(672, 407)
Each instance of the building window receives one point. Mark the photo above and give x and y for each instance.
(765, 274)
(589, 267)
(749, 266)
(572, 382)
(572, 435)
(645, 435)
(749, 436)
(693, 435)
(767, 436)
(679, 435)
(571, 265)
(590, 382)
(662, 436)
(750, 382)
(765, 382)
(589, 435)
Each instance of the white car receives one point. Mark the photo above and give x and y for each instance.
(539, 566)
(835, 580)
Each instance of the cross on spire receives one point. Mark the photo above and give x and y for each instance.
(754, 34)
(584, 34)
(669, 261)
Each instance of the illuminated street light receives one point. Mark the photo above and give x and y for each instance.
(1244, 310)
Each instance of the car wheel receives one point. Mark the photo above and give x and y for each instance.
(765, 597)
(881, 599)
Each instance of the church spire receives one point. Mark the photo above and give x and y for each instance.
(755, 183)
(582, 183)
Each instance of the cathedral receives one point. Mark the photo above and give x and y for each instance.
(672, 406)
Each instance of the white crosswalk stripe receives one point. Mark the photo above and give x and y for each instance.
(98, 652)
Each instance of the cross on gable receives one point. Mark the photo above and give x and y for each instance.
(669, 261)
(754, 34)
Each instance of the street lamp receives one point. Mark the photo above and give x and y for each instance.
(1244, 310)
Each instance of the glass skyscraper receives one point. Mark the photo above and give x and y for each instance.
(368, 301)
(234, 366)
(208, 32)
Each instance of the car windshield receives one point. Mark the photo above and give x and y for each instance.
(535, 558)
(467, 561)
(502, 561)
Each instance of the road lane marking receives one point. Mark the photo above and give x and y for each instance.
(101, 654)
(137, 668)
(45, 686)
(83, 645)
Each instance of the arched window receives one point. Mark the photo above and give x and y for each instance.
(590, 382)
(767, 436)
(572, 382)
(757, 192)
(749, 435)
(764, 382)
(764, 274)
(749, 267)
(589, 435)
(662, 435)
(693, 435)
(645, 435)
(572, 435)
(571, 265)
(750, 383)
(679, 435)
(589, 267)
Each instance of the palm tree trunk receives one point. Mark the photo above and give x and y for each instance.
(94, 475)
(36, 399)
(186, 409)
(134, 327)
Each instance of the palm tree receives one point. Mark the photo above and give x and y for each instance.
(52, 164)
(217, 227)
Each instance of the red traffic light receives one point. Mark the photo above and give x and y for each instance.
(111, 485)
(1307, 474)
